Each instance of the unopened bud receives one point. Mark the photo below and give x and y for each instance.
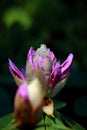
(28, 103)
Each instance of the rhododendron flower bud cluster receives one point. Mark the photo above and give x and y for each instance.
(42, 79)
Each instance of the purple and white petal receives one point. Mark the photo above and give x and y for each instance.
(55, 75)
(57, 88)
(31, 54)
(66, 66)
(15, 71)
(53, 58)
(46, 65)
(23, 92)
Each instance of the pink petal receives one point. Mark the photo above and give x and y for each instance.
(15, 71)
(31, 54)
(52, 56)
(46, 65)
(66, 66)
(23, 92)
(55, 75)
(57, 88)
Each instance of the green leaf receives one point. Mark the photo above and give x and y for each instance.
(7, 122)
(55, 123)
(40, 125)
(72, 124)
(59, 122)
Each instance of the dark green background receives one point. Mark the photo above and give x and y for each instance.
(62, 26)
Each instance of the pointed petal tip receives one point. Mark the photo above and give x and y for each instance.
(30, 55)
(70, 59)
(30, 51)
(71, 56)
(14, 70)
(67, 65)
(9, 61)
(10, 64)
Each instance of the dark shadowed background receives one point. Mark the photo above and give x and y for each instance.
(62, 26)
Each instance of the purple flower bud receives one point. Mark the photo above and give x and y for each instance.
(42, 64)
(42, 77)
(43, 58)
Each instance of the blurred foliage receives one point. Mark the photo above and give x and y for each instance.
(59, 122)
(60, 24)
